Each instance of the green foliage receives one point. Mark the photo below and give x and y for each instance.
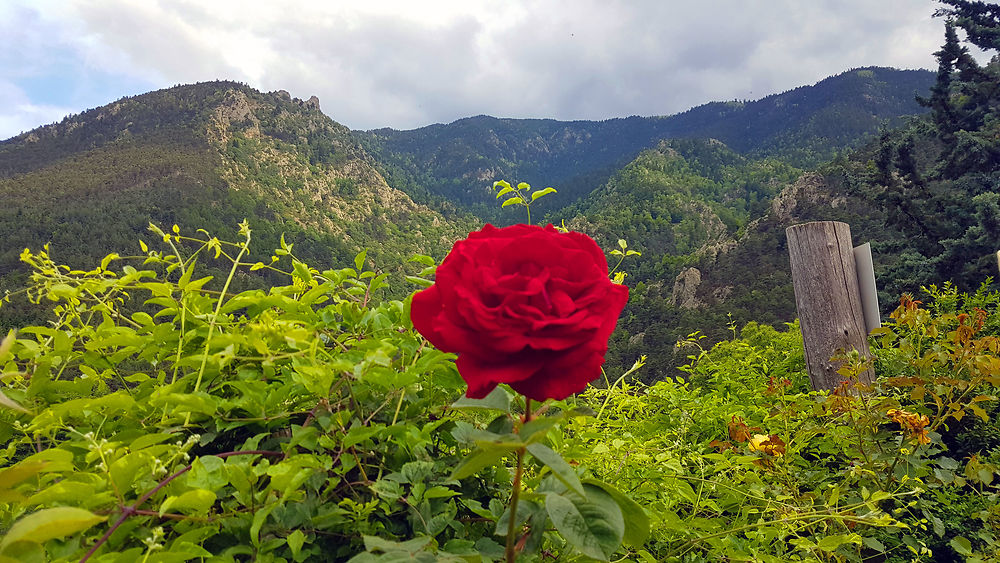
(521, 195)
(305, 422)
(271, 423)
(308, 422)
(937, 178)
(741, 462)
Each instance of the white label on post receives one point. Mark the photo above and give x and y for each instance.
(865, 267)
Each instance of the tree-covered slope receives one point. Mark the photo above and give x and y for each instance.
(810, 124)
(205, 156)
(680, 204)
(926, 195)
(805, 126)
(677, 198)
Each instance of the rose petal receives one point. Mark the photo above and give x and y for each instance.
(523, 305)
(424, 309)
(568, 374)
(482, 376)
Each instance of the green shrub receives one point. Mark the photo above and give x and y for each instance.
(159, 416)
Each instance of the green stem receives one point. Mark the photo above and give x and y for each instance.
(615, 269)
(511, 553)
(611, 388)
(215, 315)
(180, 343)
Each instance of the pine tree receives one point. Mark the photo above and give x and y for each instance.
(940, 102)
(980, 20)
(965, 100)
(940, 179)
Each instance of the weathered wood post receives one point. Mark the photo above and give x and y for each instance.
(827, 298)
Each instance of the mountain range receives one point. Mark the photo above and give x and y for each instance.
(805, 126)
(697, 193)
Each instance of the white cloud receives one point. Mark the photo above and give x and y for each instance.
(405, 64)
(18, 114)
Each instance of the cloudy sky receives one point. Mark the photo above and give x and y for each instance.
(409, 63)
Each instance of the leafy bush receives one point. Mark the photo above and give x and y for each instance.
(281, 424)
(161, 417)
(741, 462)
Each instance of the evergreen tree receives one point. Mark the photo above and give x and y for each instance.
(980, 20)
(940, 102)
(966, 107)
(939, 179)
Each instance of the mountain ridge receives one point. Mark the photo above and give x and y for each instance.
(209, 154)
(459, 161)
(206, 156)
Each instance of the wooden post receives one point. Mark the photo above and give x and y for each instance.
(827, 298)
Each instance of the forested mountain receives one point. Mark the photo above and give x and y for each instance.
(205, 156)
(684, 190)
(804, 126)
(926, 195)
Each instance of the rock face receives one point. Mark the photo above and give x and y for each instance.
(312, 103)
(685, 286)
(811, 188)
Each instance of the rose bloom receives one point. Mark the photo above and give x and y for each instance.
(522, 305)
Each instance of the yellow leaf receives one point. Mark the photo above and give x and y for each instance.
(19, 473)
(50, 523)
(979, 412)
(11, 404)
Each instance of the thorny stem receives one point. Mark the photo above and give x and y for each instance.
(130, 510)
(515, 494)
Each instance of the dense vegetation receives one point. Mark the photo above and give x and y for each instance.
(310, 422)
(938, 179)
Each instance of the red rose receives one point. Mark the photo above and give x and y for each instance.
(522, 305)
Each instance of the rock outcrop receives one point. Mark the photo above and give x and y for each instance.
(685, 288)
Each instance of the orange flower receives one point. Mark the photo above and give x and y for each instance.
(738, 429)
(915, 425)
(771, 445)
